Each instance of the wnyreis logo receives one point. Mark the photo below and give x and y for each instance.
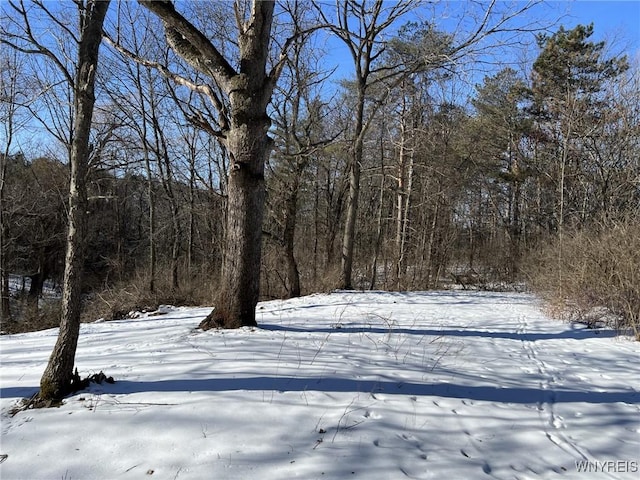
(608, 466)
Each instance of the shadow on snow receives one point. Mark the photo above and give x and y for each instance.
(515, 395)
(574, 334)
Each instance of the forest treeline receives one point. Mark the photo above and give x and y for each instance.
(530, 177)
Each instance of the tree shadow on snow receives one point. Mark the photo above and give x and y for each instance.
(488, 393)
(572, 333)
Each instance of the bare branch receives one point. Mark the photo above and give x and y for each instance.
(55, 19)
(29, 38)
(203, 89)
(190, 40)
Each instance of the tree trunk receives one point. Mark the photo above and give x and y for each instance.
(192, 220)
(288, 235)
(166, 179)
(150, 193)
(378, 243)
(348, 239)
(244, 134)
(167, 183)
(249, 147)
(400, 199)
(36, 287)
(516, 228)
(56, 380)
(152, 221)
(316, 225)
(334, 203)
(5, 311)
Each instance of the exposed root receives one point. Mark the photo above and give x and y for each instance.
(77, 384)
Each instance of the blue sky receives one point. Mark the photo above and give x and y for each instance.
(615, 21)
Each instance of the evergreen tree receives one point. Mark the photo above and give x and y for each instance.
(568, 80)
(498, 131)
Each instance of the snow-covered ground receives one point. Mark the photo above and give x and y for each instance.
(373, 385)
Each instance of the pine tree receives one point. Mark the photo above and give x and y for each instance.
(568, 80)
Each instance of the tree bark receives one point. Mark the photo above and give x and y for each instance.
(56, 380)
(400, 199)
(249, 148)
(150, 190)
(9, 92)
(378, 242)
(152, 216)
(348, 239)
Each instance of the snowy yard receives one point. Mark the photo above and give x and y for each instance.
(373, 385)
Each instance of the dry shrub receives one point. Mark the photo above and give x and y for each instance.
(31, 318)
(592, 276)
(114, 302)
(118, 301)
(330, 279)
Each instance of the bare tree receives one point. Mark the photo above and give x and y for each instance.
(242, 127)
(298, 116)
(10, 103)
(58, 377)
(362, 26)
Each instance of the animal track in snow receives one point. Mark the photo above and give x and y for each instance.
(371, 414)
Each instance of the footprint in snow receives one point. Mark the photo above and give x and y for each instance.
(557, 422)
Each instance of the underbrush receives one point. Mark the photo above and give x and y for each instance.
(592, 276)
(112, 302)
(28, 317)
(120, 300)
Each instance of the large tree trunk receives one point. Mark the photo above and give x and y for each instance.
(249, 147)
(244, 134)
(56, 380)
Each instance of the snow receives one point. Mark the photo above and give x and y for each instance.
(375, 385)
